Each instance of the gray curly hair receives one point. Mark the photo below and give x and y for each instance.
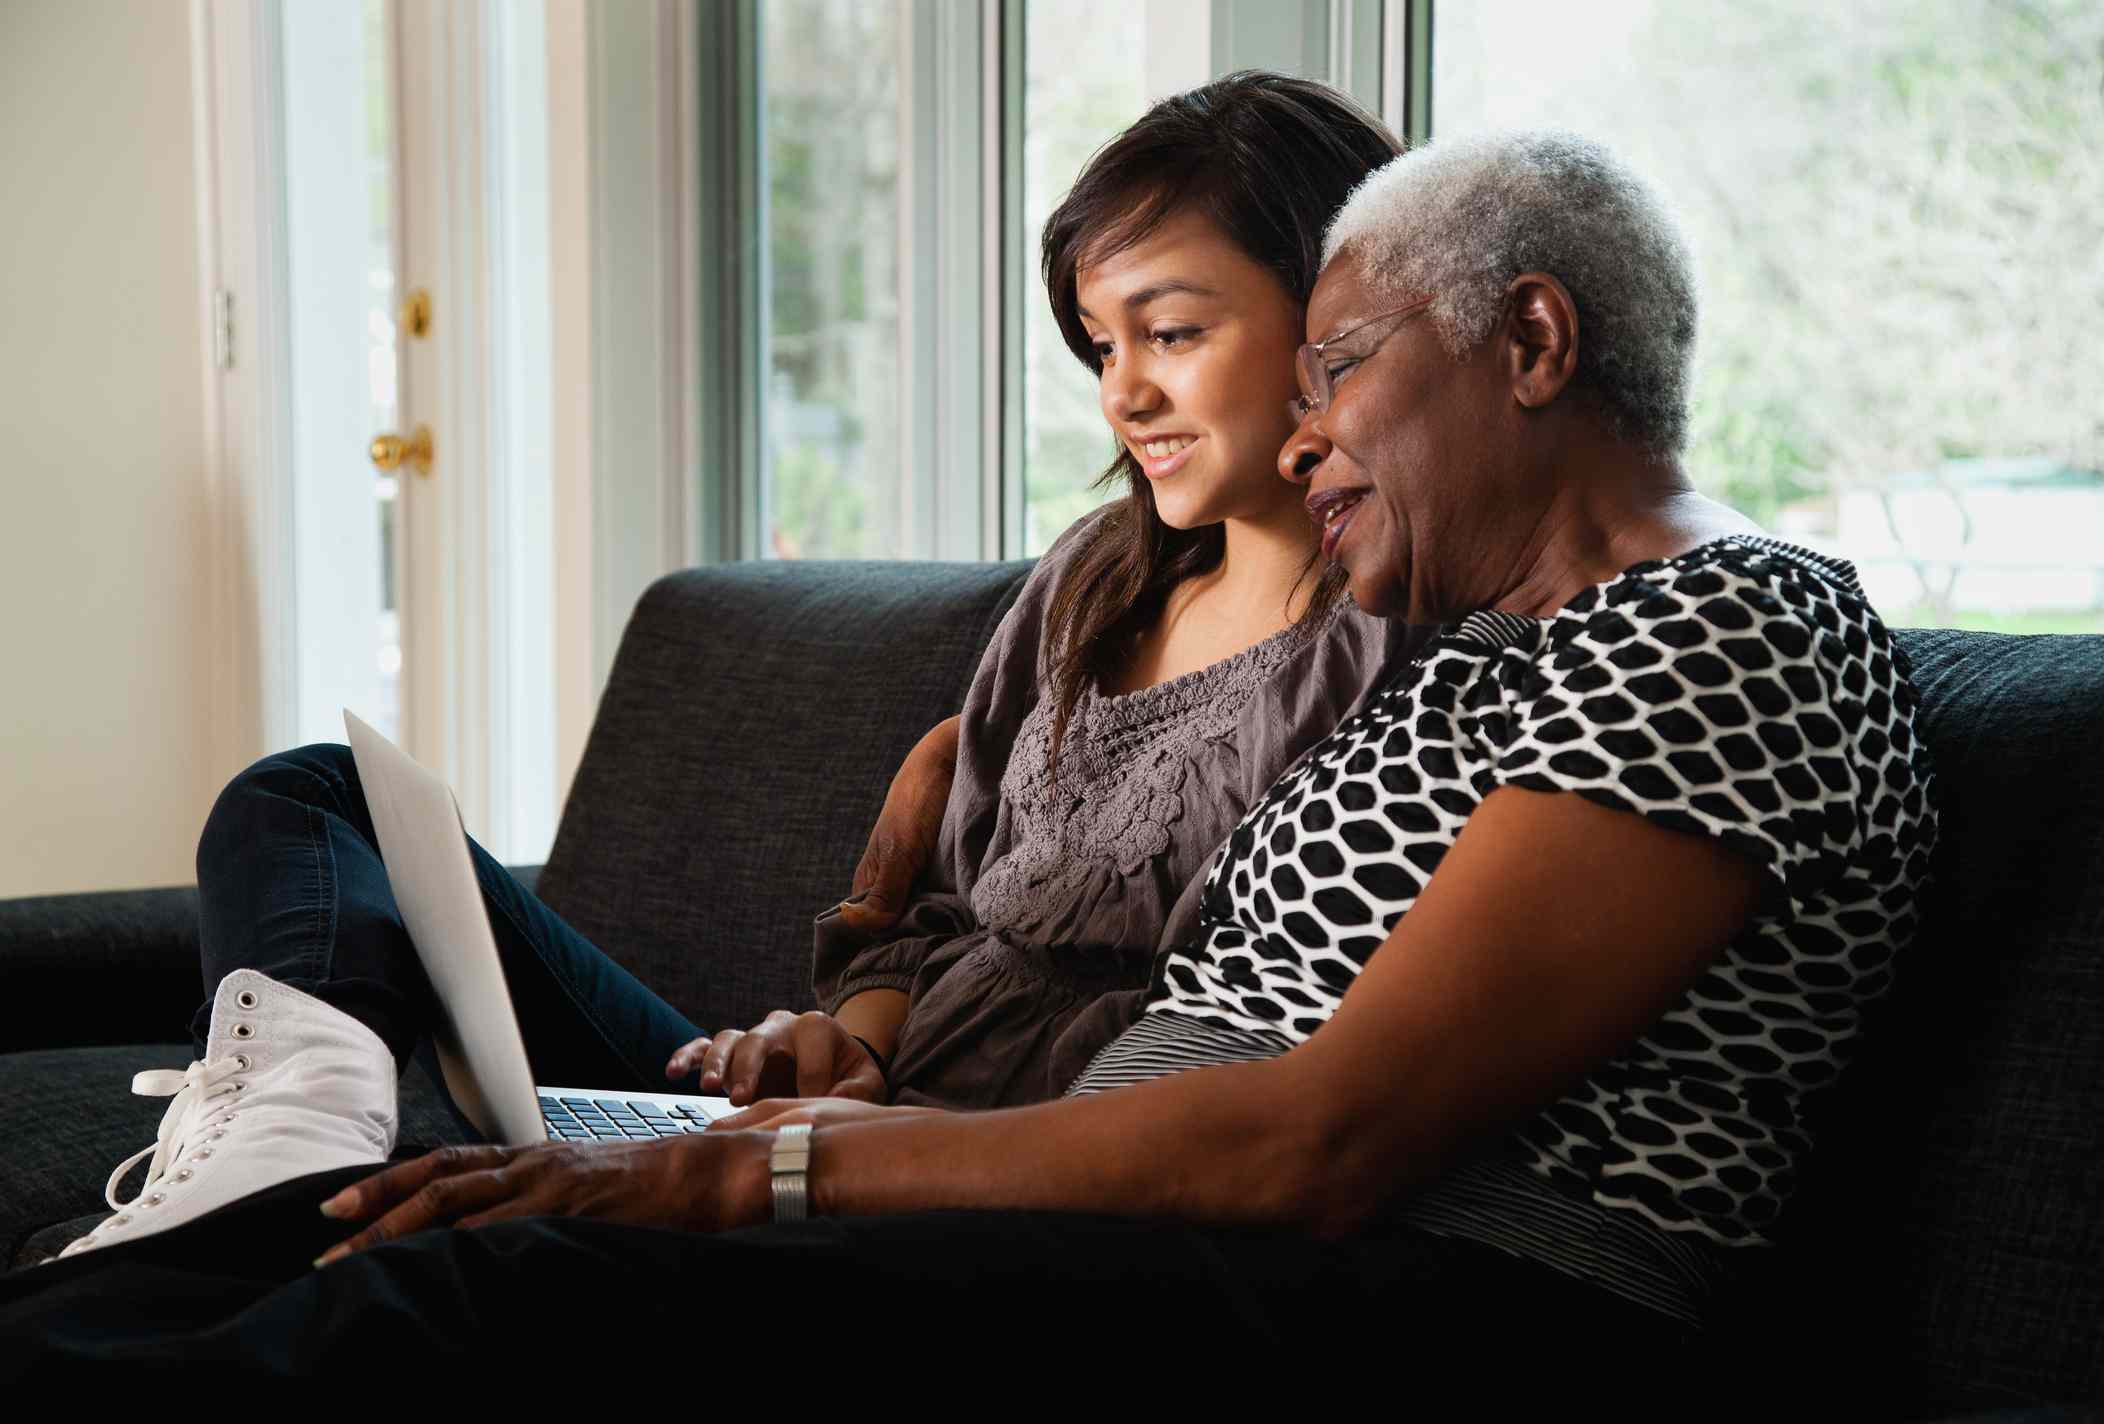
(1460, 218)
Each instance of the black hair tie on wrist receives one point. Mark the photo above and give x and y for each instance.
(883, 1068)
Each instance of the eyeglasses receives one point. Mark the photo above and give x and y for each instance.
(1317, 383)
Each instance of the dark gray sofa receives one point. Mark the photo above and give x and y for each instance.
(1946, 1254)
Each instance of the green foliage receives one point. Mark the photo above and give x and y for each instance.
(1886, 200)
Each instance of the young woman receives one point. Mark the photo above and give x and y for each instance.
(1167, 659)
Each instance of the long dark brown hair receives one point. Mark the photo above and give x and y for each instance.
(1269, 160)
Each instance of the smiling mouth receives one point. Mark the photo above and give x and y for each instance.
(1162, 457)
(1163, 449)
(1332, 511)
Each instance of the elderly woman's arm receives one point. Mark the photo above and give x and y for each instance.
(1555, 932)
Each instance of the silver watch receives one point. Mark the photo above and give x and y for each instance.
(789, 1162)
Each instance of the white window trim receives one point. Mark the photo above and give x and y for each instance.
(524, 799)
(644, 258)
(944, 237)
(241, 264)
(1003, 288)
(571, 487)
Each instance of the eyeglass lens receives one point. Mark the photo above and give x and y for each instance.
(1314, 381)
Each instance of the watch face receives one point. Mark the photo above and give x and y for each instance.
(788, 1160)
(791, 1151)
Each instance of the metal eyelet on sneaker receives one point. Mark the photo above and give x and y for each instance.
(244, 1031)
(241, 1062)
(120, 1220)
(239, 1086)
(200, 1154)
(246, 998)
(215, 1136)
(182, 1175)
(155, 1200)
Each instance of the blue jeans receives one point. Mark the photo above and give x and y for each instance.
(290, 883)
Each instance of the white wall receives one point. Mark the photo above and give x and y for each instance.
(107, 709)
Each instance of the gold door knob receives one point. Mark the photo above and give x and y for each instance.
(389, 451)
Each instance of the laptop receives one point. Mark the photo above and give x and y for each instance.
(424, 845)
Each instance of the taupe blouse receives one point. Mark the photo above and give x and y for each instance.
(1033, 933)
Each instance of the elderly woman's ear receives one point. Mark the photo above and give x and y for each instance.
(1541, 338)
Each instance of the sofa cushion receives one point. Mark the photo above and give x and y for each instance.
(750, 727)
(68, 1116)
(1950, 1230)
(43, 1245)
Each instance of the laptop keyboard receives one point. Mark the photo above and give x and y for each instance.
(612, 1120)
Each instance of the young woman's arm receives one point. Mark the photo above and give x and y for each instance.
(903, 841)
(1554, 933)
(814, 1054)
(874, 1015)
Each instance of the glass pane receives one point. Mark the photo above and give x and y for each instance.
(383, 365)
(831, 144)
(1086, 80)
(1894, 207)
(341, 377)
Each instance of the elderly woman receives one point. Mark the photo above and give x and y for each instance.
(1494, 1044)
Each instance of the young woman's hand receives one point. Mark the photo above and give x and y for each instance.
(701, 1182)
(809, 1055)
(903, 841)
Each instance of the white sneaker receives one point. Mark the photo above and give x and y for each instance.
(288, 1085)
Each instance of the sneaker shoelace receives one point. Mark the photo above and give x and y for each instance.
(199, 1093)
(196, 1092)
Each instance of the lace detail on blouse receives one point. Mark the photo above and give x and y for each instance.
(1122, 767)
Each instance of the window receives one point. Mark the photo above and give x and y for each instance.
(1894, 208)
(382, 363)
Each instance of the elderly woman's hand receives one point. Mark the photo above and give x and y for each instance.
(785, 1055)
(700, 1182)
(903, 840)
(818, 1112)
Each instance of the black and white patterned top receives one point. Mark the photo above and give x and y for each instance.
(1743, 691)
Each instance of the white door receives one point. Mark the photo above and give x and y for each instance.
(383, 232)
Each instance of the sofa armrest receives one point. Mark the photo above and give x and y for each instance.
(113, 966)
(108, 967)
